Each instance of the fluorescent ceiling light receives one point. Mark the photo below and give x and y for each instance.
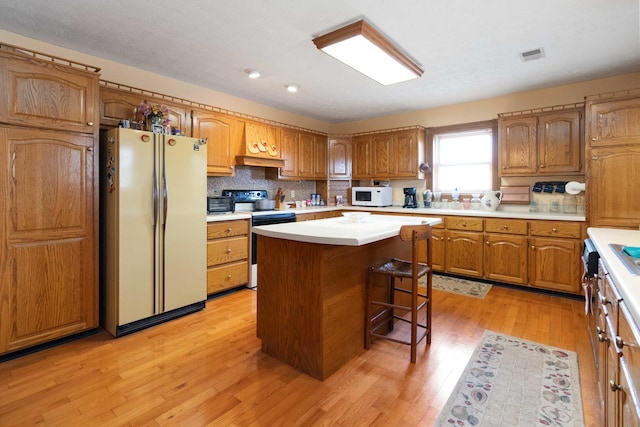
(364, 49)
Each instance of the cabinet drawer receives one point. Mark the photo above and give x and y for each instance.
(505, 226)
(227, 228)
(227, 276)
(227, 250)
(555, 229)
(464, 223)
(630, 336)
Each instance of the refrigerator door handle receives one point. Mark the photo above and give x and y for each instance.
(165, 198)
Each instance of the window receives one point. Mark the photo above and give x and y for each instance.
(463, 159)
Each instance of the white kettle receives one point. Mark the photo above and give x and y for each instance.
(491, 200)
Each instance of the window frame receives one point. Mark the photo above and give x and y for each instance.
(467, 127)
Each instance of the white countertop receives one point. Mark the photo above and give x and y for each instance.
(228, 216)
(627, 284)
(339, 231)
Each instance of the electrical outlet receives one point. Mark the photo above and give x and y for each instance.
(293, 194)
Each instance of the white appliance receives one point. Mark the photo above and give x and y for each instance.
(153, 228)
(371, 196)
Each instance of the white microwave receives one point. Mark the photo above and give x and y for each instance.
(371, 196)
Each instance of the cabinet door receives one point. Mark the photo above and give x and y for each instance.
(505, 258)
(320, 157)
(289, 150)
(361, 146)
(116, 105)
(382, 155)
(48, 279)
(438, 239)
(555, 264)
(614, 122)
(517, 146)
(49, 95)
(406, 157)
(306, 151)
(340, 159)
(559, 143)
(219, 130)
(612, 190)
(464, 253)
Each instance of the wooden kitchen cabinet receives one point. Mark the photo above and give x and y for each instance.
(613, 122)
(506, 249)
(547, 143)
(118, 102)
(222, 136)
(320, 161)
(361, 163)
(554, 255)
(312, 156)
(464, 249)
(389, 155)
(612, 192)
(49, 284)
(227, 255)
(340, 159)
(43, 94)
(618, 349)
(49, 193)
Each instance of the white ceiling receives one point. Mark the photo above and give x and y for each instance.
(469, 49)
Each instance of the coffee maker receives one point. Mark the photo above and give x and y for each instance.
(410, 197)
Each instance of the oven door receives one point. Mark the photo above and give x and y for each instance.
(257, 220)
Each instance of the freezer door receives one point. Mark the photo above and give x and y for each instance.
(135, 232)
(184, 221)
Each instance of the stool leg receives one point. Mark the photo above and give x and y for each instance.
(414, 317)
(367, 309)
(428, 323)
(391, 289)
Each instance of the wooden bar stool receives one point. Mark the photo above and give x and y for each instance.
(413, 270)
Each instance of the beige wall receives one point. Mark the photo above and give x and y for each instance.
(453, 114)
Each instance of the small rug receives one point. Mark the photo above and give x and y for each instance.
(460, 286)
(513, 382)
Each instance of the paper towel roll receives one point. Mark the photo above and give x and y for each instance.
(574, 187)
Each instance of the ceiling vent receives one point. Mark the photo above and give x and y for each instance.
(532, 55)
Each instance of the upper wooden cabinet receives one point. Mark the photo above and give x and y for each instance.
(118, 103)
(613, 122)
(389, 155)
(47, 95)
(222, 138)
(260, 140)
(546, 143)
(613, 157)
(304, 155)
(340, 158)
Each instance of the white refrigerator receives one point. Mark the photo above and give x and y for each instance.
(153, 231)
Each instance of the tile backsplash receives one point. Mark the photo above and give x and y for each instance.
(253, 178)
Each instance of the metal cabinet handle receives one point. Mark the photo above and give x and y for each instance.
(229, 277)
(613, 386)
(464, 224)
(619, 341)
(533, 247)
(505, 227)
(229, 230)
(594, 139)
(228, 250)
(542, 166)
(604, 300)
(488, 243)
(594, 157)
(555, 230)
(90, 123)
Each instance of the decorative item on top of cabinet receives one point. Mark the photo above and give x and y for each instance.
(227, 255)
(339, 158)
(118, 102)
(541, 142)
(222, 138)
(613, 157)
(395, 154)
(49, 274)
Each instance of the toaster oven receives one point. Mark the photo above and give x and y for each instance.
(223, 204)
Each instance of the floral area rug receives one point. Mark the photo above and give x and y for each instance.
(513, 382)
(460, 286)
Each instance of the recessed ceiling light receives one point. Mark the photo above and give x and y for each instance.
(532, 55)
(253, 74)
(292, 88)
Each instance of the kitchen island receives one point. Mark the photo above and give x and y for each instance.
(311, 298)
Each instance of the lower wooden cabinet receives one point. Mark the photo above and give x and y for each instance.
(227, 255)
(317, 215)
(463, 253)
(618, 350)
(48, 236)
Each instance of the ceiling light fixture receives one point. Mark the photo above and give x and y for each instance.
(253, 74)
(292, 88)
(364, 49)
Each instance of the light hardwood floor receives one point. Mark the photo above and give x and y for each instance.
(207, 369)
